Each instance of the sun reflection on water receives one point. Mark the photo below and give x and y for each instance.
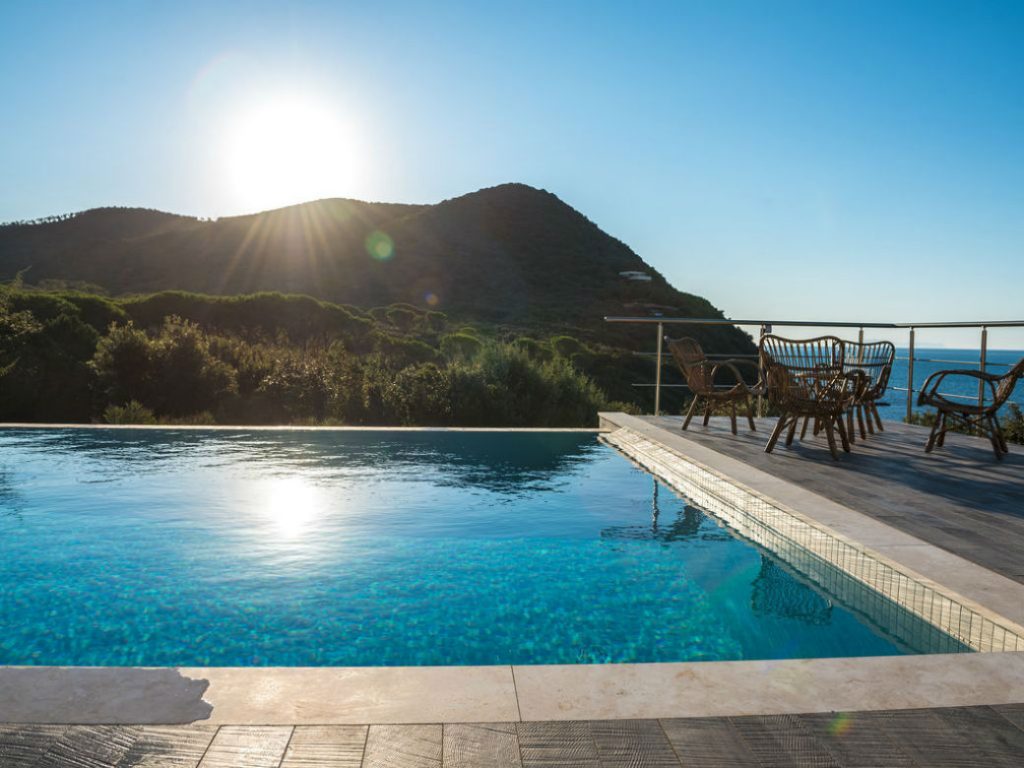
(293, 506)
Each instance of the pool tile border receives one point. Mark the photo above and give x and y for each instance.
(780, 528)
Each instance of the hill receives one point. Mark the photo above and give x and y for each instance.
(509, 255)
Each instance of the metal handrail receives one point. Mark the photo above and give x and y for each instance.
(766, 327)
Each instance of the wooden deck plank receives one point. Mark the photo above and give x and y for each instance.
(21, 746)
(989, 733)
(172, 746)
(930, 741)
(90, 746)
(403, 746)
(632, 744)
(708, 742)
(782, 741)
(243, 746)
(563, 744)
(481, 745)
(326, 746)
(857, 739)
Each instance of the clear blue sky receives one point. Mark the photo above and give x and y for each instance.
(854, 160)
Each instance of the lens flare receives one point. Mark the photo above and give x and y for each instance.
(431, 299)
(841, 724)
(379, 246)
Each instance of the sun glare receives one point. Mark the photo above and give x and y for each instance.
(287, 150)
(291, 507)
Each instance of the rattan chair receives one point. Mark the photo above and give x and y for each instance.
(806, 379)
(982, 417)
(874, 361)
(701, 374)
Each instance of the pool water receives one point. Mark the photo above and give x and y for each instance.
(304, 548)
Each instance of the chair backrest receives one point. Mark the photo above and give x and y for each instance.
(692, 361)
(1007, 383)
(821, 354)
(874, 358)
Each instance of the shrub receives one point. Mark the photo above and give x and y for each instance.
(460, 346)
(419, 395)
(132, 412)
(187, 377)
(123, 363)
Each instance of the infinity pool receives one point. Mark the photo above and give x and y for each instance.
(304, 548)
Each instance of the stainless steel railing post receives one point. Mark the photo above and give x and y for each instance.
(657, 375)
(910, 378)
(981, 366)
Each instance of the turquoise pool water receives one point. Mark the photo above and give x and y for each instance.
(291, 548)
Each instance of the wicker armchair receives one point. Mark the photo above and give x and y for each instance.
(700, 375)
(980, 416)
(874, 361)
(806, 379)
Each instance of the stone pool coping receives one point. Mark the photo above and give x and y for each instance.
(285, 428)
(314, 696)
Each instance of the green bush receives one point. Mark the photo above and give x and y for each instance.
(132, 412)
(460, 346)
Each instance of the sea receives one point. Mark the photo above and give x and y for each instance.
(929, 360)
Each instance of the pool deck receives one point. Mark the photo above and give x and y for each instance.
(955, 517)
(958, 498)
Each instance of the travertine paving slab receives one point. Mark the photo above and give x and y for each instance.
(357, 695)
(734, 688)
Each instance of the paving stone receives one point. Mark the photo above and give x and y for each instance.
(858, 739)
(708, 742)
(782, 741)
(21, 746)
(632, 744)
(403, 746)
(326, 746)
(173, 746)
(481, 745)
(564, 744)
(930, 741)
(241, 746)
(89, 746)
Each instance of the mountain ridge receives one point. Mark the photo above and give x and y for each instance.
(509, 254)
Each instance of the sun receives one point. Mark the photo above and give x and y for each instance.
(287, 149)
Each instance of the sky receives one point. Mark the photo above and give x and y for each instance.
(858, 161)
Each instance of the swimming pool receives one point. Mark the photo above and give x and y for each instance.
(155, 547)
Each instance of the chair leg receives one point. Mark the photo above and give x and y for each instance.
(942, 431)
(999, 434)
(803, 430)
(878, 419)
(817, 426)
(707, 411)
(750, 416)
(844, 437)
(860, 421)
(849, 420)
(732, 415)
(792, 431)
(992, 427)
(931, 435)
(831, 435)
(690, 411)
(779, 426)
